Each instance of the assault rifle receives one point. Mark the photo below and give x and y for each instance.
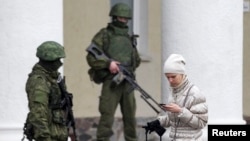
(124, 74)
(67, 105)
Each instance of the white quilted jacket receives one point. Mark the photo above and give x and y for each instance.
(194, 116)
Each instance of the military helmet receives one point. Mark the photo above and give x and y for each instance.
(121, 10)
(50, 51)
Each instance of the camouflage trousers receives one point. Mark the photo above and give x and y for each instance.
(110, 97)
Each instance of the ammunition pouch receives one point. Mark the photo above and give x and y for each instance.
(57, 110)
(58, 117)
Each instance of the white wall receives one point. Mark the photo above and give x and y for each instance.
(24, 25)
(208, 33)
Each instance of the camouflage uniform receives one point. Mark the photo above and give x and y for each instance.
(116, 43)
(43, 92)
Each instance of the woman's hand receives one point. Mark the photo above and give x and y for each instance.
(172, 107)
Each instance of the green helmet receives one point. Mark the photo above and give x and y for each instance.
(50, 51)
(121, 10)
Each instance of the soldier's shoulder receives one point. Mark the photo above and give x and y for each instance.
(101, 32)
(38, 82)
(37, 78)
(99, 37)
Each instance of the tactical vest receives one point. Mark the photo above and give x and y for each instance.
(55, 97)
(117, 45)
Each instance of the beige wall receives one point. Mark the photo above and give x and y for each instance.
(82, 19)
(246, 67)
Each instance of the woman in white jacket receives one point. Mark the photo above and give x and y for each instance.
(187, 111)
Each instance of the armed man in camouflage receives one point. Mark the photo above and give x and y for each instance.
(46, 118)
(115, 41)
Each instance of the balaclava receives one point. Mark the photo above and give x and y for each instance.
(51, 65)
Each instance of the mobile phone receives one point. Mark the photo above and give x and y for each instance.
(162, 104)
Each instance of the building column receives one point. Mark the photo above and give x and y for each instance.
(24, 26)
(209, 36)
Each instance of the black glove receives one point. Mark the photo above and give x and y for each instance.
(155, 126)
(160, 130)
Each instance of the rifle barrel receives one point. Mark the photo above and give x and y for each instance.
(144, 95)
